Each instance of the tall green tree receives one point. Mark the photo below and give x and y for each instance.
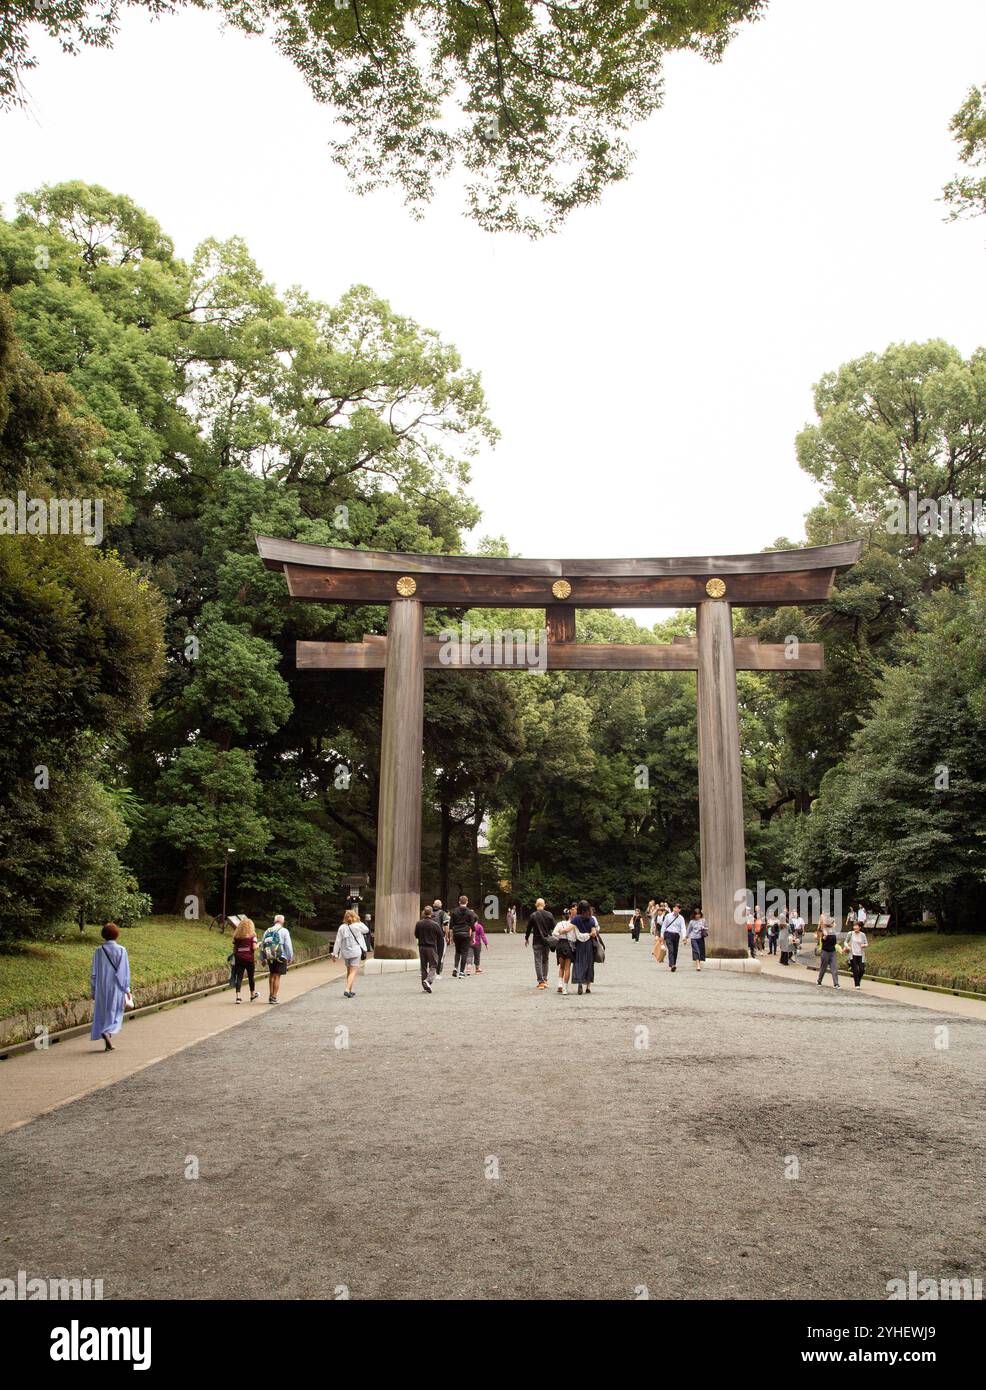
(903, 818)
(80, 654)
(223, 409)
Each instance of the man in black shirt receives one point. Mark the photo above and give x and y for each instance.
(540, 925)
(462, 921)
(428, 933)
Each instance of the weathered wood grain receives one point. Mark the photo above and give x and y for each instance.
(769, 590)
(277, 553)
(681, 655)
(720, 785)
(560, 622)
(398, 886)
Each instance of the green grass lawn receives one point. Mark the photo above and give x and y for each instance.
(45, 975)
(931, 958)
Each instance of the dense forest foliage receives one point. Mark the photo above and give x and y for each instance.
(152, 716)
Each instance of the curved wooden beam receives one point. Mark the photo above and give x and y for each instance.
(277, 554)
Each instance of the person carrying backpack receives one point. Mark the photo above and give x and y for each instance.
(462, 922)
(278, 953)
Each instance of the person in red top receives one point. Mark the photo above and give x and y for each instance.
(244, 956)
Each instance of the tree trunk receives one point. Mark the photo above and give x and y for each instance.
(474, 829)
(522, 832)
(192, 884)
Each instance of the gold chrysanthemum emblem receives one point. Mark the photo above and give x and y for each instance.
(715, 588)
(406, 586)
(561, 588)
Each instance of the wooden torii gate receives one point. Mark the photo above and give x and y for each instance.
(713, 585)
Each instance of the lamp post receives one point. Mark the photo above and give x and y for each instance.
(222, 916)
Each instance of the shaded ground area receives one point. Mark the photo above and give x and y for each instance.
(619, 1164)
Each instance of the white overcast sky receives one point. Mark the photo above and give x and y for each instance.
(650, 365)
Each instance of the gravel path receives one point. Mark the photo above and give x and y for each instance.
(636, 1139)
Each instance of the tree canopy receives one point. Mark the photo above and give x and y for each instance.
(529, 100)
(966, 193)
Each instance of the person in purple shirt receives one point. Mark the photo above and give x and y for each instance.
(478, 940)
(110, 986)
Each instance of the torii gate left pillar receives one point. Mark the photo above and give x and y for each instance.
(398, 882)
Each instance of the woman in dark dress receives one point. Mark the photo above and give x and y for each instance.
(586, 929)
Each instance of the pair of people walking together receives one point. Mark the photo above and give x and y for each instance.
(575, 940)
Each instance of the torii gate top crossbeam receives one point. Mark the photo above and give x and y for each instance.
(332, 574)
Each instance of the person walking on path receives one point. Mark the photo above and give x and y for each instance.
(857, 945)
(784, 943)
(110, 982)
(461, 922)
(477, 940)
(636, 924)
(652, 912)
(428, 934)
(564, 937)
(441, 922)
(540, 926)
(797, 932)
(244, 957)
(828, 939)
(751, 934)
(585, 928)
(773, 931)
(278, 953)
(696, 935)
(350, 947)
(672, 930)
(659, 951)
(511, 919)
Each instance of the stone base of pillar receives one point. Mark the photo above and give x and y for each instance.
(745, 967)
(385, 966)
(383, 951)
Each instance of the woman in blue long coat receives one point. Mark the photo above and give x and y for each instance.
(110, 985)
(586, 929)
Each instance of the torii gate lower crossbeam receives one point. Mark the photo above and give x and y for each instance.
(712, 585)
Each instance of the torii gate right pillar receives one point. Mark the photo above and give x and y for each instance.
(720, 784)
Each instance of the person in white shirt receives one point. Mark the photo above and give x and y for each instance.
(350, 946)
(857, 945)
(696, 934)
(672, 930)
(797, 932)
(861, 915)
(278, 953)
